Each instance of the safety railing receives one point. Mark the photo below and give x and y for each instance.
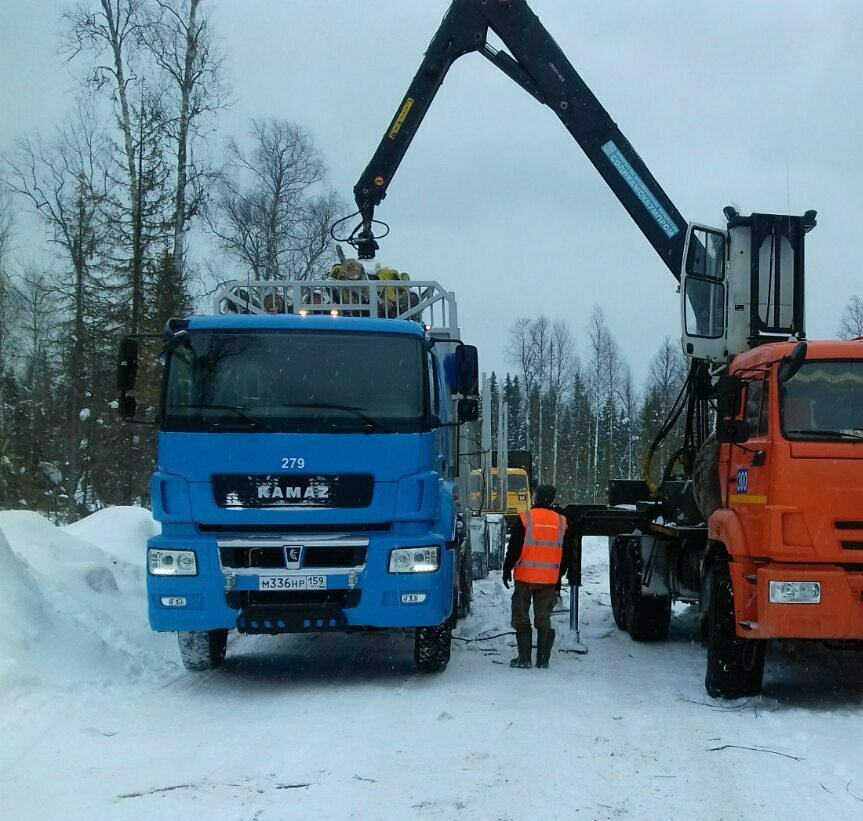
(425, 302)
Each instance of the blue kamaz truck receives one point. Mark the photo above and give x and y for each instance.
(308, 465)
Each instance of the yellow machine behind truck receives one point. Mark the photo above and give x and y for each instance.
(518, 494)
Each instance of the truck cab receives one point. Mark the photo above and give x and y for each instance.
(792, 515)
(518, 493)
(307, 476)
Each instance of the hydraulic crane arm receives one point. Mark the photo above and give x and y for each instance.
(540, 67)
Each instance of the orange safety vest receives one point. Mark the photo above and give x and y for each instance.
(542, 550)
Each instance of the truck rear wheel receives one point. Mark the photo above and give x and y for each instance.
(646, 617)
(735, 666)
(432, 648)
(616, 584)
(203, 650)
(465, 588)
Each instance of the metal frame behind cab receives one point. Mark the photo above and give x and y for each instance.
(775, 227)
(424, 302)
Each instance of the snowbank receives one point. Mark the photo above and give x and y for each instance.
(73, 602)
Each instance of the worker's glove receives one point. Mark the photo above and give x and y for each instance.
(573, 578)
(507, 578)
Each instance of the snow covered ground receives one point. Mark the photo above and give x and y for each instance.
(98, 720)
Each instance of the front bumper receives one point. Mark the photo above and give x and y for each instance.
(839, 614)
(360, 596)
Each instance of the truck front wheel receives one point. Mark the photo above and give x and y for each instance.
(203, 649)
(646, 617)
(432, 648)
(735, 666)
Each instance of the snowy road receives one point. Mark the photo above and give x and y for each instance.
(337, 727)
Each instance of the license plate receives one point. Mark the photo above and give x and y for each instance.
(292, 582)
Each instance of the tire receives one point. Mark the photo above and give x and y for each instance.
(465, 588)
(735, 666)
(646, 617)
(616, 584)
(432, 648)
(479, 566)
(203, 650)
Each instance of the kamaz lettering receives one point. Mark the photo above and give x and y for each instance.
(276, 492)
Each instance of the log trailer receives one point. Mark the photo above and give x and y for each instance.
(759, 522)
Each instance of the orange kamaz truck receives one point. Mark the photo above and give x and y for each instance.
(771, 544)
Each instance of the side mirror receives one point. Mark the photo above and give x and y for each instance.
(127, 370)
(127, 406)
(732, 431)
(793, 362)
(179, 340)
(468, 410)
(467, 370)
(728, 393)
(127, 365)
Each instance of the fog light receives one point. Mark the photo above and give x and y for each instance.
(795, 592)
(414, 560)
(413, 598)
(172, 562)
(173, 601)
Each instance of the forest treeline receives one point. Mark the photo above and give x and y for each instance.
(140, 163)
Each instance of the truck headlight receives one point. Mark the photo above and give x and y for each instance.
(172, 562)
(414, 560)
(795, 592)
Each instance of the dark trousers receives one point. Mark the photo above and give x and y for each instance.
(543, 597)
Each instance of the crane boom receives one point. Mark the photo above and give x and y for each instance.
(539, 66)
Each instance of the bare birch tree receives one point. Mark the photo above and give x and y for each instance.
(112, 35)
(179, 37)
(522, 354)
(851, 325)
(561, 369)
(266, 214)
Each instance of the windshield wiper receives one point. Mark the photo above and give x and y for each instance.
(358, 412)
(848, 434)
(254, 421)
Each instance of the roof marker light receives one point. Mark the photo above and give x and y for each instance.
(304, 312)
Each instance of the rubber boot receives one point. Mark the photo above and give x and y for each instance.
(544, 643)
(524, 640)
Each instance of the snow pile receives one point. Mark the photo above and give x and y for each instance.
(73, 601)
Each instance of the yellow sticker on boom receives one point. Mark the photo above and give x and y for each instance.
(403, 114)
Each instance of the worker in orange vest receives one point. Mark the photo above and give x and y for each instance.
(539, 554)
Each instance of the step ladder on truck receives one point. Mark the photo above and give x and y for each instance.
(756, 519)
(309, 464)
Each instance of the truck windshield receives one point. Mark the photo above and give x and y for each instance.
(516, 482)
(297, 381)
(824, 401)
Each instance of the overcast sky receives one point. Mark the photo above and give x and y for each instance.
(756, 104)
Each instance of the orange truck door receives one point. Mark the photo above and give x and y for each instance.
(749, 474)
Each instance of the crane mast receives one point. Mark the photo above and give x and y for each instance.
(539, 66)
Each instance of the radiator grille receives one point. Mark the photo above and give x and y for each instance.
(273, 557)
